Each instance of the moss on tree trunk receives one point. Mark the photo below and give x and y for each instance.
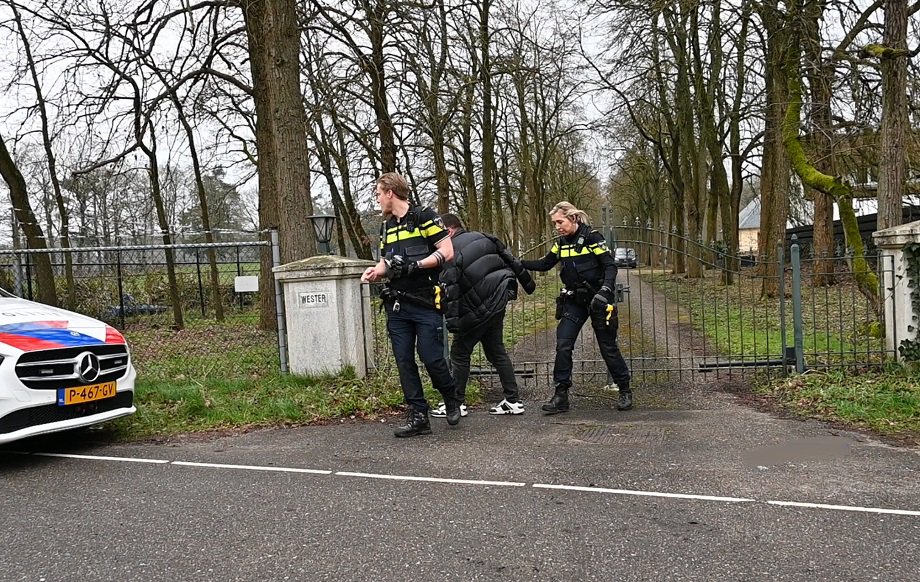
(834, 186)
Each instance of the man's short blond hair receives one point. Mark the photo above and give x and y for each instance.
(396, 183)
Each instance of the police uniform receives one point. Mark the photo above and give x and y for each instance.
(587, 270)
(413, 305)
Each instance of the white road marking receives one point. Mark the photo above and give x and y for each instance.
(644, 493)
(845, 508)
(98, 458)
(430, 479)
(253, 468)
(661, 494)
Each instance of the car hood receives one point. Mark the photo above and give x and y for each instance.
(26, 326)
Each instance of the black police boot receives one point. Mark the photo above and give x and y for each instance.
(625, 401)
(453, 411)
(416, 424)
(560, 400)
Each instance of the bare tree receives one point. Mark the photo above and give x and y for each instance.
(834, 186)
(893, 54)
(25, 217)
(63, 211)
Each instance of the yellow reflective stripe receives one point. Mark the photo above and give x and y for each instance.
(599, 249)
(433, 229)
(555, 249)
(402, 235)
(437, 297)
(571, 252)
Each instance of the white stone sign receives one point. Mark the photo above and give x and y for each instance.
(313, 299)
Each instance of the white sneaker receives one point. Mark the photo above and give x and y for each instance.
(505, 407)
(441, 411)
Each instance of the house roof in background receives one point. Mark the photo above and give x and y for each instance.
(749, 217)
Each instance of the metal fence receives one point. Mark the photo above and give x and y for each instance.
(690, 312)
(126, 285)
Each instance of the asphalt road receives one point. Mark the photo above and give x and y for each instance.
(722, 493)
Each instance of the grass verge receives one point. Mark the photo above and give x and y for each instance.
(220, 377)
(883, 401)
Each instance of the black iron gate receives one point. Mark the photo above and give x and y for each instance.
(693, 313)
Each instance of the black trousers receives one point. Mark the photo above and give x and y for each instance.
(412, 328)
(574, 316)
(490, 335)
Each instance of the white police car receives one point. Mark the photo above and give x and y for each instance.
(59, 370)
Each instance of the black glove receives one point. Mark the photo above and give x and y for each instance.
(397, 269)
(603, 298)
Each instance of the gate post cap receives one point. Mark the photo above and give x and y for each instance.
(897, 236)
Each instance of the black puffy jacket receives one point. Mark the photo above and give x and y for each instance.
(480, 280)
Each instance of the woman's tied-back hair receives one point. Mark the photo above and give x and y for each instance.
(396, 183)
(569, 211)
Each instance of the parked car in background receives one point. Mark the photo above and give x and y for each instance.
(130, 307)
(59, 370)
(624, 257)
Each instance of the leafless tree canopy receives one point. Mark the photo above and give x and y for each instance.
(167, 120)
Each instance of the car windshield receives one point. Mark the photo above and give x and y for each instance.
(623, 252)
(5, 293)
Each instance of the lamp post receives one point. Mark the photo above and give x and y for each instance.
(322, 227)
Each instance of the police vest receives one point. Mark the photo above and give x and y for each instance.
(413, 238)
(579, 254)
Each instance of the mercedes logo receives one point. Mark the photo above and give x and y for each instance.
(88, 366)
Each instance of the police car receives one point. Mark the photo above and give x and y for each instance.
(59, 370)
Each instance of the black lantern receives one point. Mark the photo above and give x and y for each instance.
(322, 227)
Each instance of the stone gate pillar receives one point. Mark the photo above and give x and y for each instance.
(328, 318)
(901, 321)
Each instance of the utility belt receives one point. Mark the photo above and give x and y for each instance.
(431, 297)
(580, 294)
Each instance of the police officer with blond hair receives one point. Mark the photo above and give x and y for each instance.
(413, 246)
(589, 275)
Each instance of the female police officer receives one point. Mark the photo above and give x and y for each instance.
(589, 275)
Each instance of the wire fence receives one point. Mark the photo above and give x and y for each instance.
(123, 285)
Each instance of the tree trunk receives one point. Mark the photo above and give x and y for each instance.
(156, 192)
(376, 68)
(71, 301)
(820, 80)
(487, 210)
(690, 165)
(284, 186)
(25, 217)
(866, 280)
(469, 170)
(892, 153)
(774, 183)
(671, 157)
(203, 208)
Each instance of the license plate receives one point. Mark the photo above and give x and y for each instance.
(81, 394)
